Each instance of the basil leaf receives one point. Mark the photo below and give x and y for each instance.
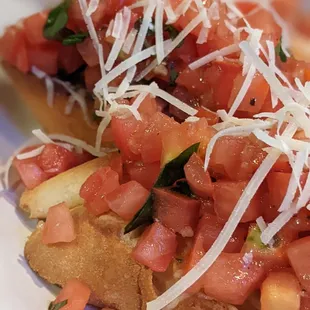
(75, 38)
(172, 172)
(173, 75)
(57, 306)
(280, 52)
(150, 31)
(173, 32)
(182, 187)
(56, 21)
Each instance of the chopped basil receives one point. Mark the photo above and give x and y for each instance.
(75, 38)
(57, 306)
(254, 240)
(173, 75)
(150, 31)
(172, 31)
(280, 52)
(56, 21)
(172, 172)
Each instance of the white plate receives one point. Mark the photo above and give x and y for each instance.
(20, 288)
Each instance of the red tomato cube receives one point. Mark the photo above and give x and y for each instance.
(177, 212)
(281, 290)
(231, 280)
(226, 195)
(96, 187)
(299, 256)
(59, 225)
(198, 179)
(33, 26)
(30, 172)
(145, 174)
(122, 130)
(211, 229)
(69, 58)
(55, 159)
(76, 293)
(156, 247)
(38, 54)
(127, 199)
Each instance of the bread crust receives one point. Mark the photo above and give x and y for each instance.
(64, 187)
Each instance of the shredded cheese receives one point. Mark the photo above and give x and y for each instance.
(92, 8)
(159, 32)
(212, 56)
(131, 37)
(31, 154)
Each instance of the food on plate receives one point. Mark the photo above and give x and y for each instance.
(189, 186)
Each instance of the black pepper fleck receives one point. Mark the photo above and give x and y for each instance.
(252, 102)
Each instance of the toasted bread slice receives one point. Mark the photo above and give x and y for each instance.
(102, 260)
(53, 120)
(64, 187)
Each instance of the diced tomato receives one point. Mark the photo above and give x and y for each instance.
(226, 195)
(209, 115)
(122, 130)
(156, 247)
(305, 301)
(177, 212)
(255, 97)
(184, 95)
(198, 179)
(212, 228)
(274, 258)
(282, 164)
(281, 290)
(246, 7)
(30, 172)
(92, 75)
(236, 280)
(181, 137)
(243, 160)
(186, 51)
(76, 19)
(76, 293)
(148, 107)
(299, 256)
(69, 58)
(145, 174)
(38, 55)
(59, 225)
(55, 159)
(127, 199)
(301, 221)
(33, 27)
(215, 76)
(81, 158)
(116, 164)
(207, 207)
(151, 149)
(96, 187)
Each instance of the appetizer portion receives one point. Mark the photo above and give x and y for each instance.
(196, 192)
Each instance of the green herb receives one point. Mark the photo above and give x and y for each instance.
(254, 238)
(173, 171)
(58, 306)
(75, 38)
(173, 75)
(150, 31)
(56, 21)
(173, 32)
(280, 52)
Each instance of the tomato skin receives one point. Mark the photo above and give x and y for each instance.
(281, 290)
(145, 174)
(33, 27)
(198, 179)
(177, 212)
(59, 225)
(237, 281)
(38, 54)
(76, 293)
(212, 228)
(299, 257)
(226, 196)
(96, 187)
(127, 199)
(156, 247)
(30, 172)
(69, 58)
(55, 159)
